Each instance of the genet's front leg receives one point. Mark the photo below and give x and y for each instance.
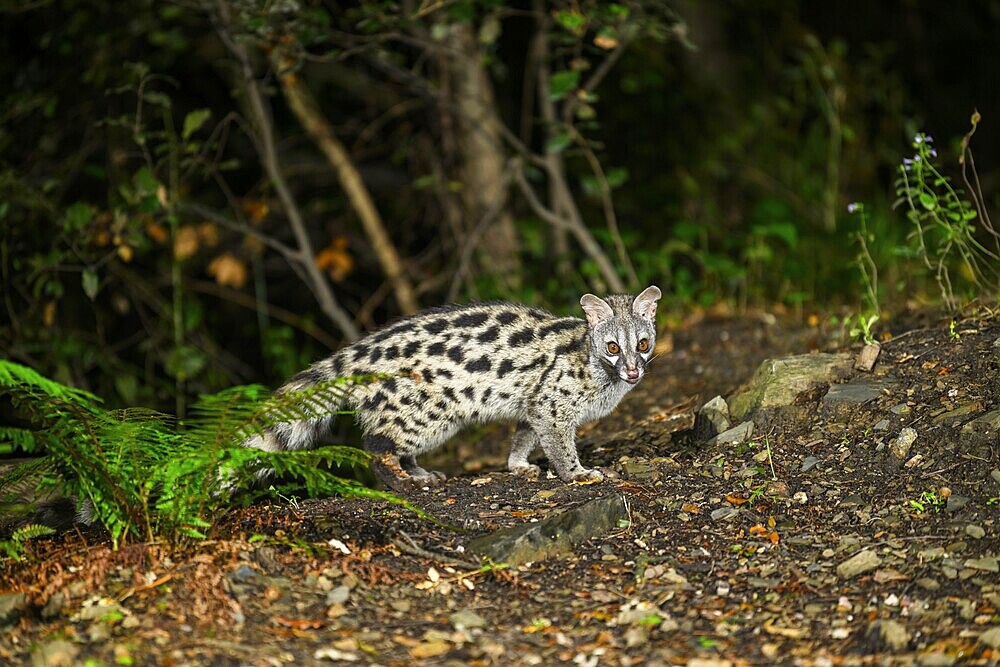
(558, 441)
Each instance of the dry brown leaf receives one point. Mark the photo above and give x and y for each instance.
(335, 259)
(227, 269)
(298, 623)
(690, 508)
(157, 232)
(735, 500)
(186, 242)
(208, 232)
(256, 209)
(888, 574)
(430, 649)
(790, 633)
(606, 42)
(126, 253)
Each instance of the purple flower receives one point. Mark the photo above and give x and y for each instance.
(928, 138)
(917, 139)
(853, 207)
(932, 153)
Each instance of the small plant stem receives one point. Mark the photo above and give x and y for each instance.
(767, 444)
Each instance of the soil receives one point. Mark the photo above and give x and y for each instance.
(731, 555)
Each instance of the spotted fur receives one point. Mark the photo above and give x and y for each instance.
(481, 363)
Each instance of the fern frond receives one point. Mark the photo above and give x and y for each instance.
(15, 377)
(30, 532)
(18, 439)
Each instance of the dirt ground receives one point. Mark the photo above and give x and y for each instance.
(805, 545)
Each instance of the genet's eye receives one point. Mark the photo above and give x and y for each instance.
(613, 348)
(643, 345)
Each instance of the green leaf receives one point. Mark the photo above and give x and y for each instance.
(928, 201)
(193, 122)
(157, 98)
(184, 362)
(557, 143)
(562, 83)
(78, 216)
(90, 283)
(573, 21)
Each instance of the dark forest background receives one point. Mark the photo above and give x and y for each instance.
(200, 194)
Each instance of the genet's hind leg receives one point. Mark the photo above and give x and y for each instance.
(395, 471)
(524, 442)
(428, 477)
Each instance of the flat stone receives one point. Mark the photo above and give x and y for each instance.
(56, 653)
(975, 532)
(963, 410)
(881, 425)
(900, 409)
(867, 357)
(640, 469)
(713, 419)
(857, 564)
(724, 513)
(555, 535)
(988, 564)
(893, 634)
(338, 595)
(991, 637)
(809, 463)
(956, 502)
(777, 382)
(983, 427)
(737, 435)
(842, 399)
(466, 619)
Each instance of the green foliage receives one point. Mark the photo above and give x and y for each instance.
(14, 546)
(944, 233)
(146, 475)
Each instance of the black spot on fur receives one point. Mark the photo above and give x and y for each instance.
(568, 346)
(375, 401)
(390, 385)
(401, 423)
(442, 406)
(489, 335)
(337, 366)
(308, 377)
(411, 348)
(406, 400)
(506, 317)
(538, 315)
(456, 354)
(506, 366)
(391, 352)
(469, 393)
(473, 319)
(504, 395)
(487, 394)
(357, 353)
(521, 337)
(436, 349)
(480, 365)
(423, 396)
(379, 444)
(564, 392)
(445, 373)
(427, 376)
(557, 326)
(375, 354)
(449, 394)
(436, 326)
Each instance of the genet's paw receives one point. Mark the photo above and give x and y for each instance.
(413, 482)
(529, 471)
(588, 477)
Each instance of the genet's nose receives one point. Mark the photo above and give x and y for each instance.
(632, 373)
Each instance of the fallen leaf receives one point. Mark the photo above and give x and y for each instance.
(690, 508)
(186, 242)
(228, 270)
(736, 500)
(888, 574)
(335, 259)
(789, 633)
(430, 649)
(255, 209)
(298, 623)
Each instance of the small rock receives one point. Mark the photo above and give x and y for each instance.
(900, 446)
(867, 357)
(995, 474)
(928, 584)
(842, 400)
(724, 513)
(777, 382)
(334, 654)
(243, 574)
(988, 564)
(975, 532)
(963, 410)
(809, 463)
(800, 497)
(402, 606)
(893, 634)
(881, 425)
(466, 619)
(53, 606)
(860, 563)
(11, 606)
(737, 435)
(56, 653)
(900, 409)
(984, 427)
(640, 469)
(712, 419)
(338, 595)
(991, 637)
(955, 503)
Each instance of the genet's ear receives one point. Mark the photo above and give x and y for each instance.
(597, 309)
(645, 304)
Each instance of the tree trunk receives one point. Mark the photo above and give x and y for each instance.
(482, 161)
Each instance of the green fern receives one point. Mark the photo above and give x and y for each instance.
(14, 547)
(146, 476)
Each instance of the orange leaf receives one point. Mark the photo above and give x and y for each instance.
(227, 269)
(157, 232)
(735, 500)
(298, 623)
(208, 232)
(335, 259)
(256, 209)
(690, 508)
(186, 242)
